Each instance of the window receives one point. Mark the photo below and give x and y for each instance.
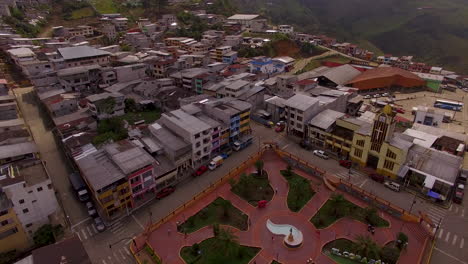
(358, 153)
(360, 143)
(197, 135)
(391, 154)
(25, 210)
(299, 126)
(292, 115)
(134, 180)
(39, 189)
(197, 145)
(389, 165)
(21, 201)
(299, 118)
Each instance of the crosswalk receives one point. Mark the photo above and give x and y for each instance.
(455, 240)
(119, 255)
(354, 175)
(435, 213)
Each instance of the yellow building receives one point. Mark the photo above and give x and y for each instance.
(367, 140)
(377, 147)
(12, 235)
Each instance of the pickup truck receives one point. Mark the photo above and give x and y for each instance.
(215, 162)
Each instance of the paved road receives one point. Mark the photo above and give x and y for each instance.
(56, 163)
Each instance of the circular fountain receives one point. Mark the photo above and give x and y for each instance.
(292, 236)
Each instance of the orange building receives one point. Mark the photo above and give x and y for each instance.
(386, 78)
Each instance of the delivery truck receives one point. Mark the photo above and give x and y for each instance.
(215, 162)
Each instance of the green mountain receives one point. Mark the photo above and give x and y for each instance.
(434, 31)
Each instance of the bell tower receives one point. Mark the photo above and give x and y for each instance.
(383, 128)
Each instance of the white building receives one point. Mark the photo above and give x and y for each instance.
(429, 116)
(286, 29)
(32, 195)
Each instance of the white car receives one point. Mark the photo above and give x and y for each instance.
(99, 224)
(320, 153)
(376, 95)
(385, 94)
(367, 97)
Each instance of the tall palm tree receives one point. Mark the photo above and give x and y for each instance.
(337, 201)
(366, 247)
(259, 165)
(228, 242)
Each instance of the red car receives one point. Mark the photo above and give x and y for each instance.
(345, 163)
(400, 110)
(377, 177)
(200, 171)
(458, 197)
(165, 192)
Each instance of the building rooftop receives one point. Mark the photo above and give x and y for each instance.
(18, 149)
(128, 157)
(186, 121)
(301, 102)
(21, 52)
(98, 169)
(236, 85)
(243, 17)
(325, 119)
(70, 250)
(101, 96)
(167, 138)
(72, 53)
(11, 123)
(77, 70)
(342, 74)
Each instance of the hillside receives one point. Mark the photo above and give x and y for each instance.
(435, 31)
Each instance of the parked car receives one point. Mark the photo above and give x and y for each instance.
(280, 126)
(91, 210)
(376, 95)
(460, 187)
(99, 224)
(165, 192)
(321, 154)
(305, 144)
(392, 186)
(224, 155)
(458, 197)
(367, 97)
(462, 179)
(400, 110)
(377, 177)
(200, 171)
(346, 163)
(385, 94)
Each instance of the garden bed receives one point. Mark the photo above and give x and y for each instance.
(220, 211)
(334, 210)
(299, 192)
(209, 252)
(253, 188)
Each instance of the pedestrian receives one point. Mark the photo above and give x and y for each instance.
(168, 231)
(276, 190)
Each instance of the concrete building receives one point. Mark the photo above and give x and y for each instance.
(429, 116)
(83, 55)
(193, 130)
(107, 183)
(80, 78)
(249, 22)
(74, 123)
(61, 104)
(299, 111)
(32, 194)
(130, 72)
(218, 53)
(12, 234)
(106, 105)
(286, 29)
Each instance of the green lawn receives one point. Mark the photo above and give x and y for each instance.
(342, 260)
(210, 254)
(219, 211)
(82, 13)
(253, 188)
(299, 192)
(148, 116)
(330, 213)
(105, 6)
(317, 63)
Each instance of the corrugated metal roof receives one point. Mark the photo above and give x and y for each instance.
(325, 119)
(71, 53)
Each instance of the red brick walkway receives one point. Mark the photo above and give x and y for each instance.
(167, 243)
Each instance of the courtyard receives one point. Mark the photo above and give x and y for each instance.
(227, 226)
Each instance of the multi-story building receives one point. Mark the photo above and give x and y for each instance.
(83, 55)
(30, 190)
(106, 105)
(83, 30)
(218, 53)
(108, 184)
(193, 130)
(253, 22)
(12, 234)
(80, 78)
(299, 111)
(286, 29)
